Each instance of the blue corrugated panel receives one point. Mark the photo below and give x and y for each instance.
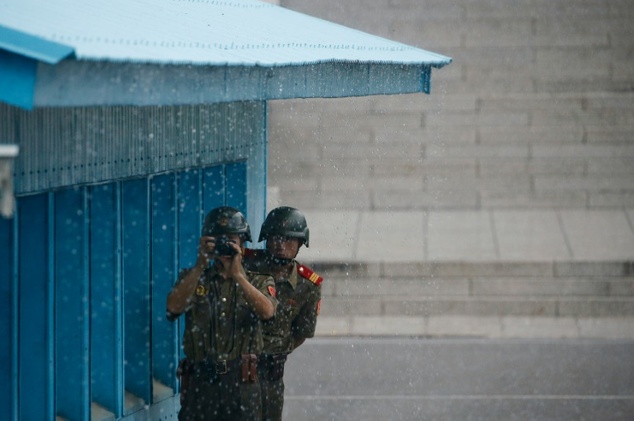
(61, 147)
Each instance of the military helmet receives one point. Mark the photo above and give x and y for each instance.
(287, 222)
(226, 220)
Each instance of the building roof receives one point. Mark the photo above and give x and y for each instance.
(257, 43)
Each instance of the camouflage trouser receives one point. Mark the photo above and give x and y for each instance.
(220, 397)
(271, 373)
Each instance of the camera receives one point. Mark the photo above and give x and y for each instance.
(223, 247)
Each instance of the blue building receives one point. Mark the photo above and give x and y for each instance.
(125, 122)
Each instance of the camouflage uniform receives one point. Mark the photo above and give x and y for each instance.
(220, 331)
(299, 298)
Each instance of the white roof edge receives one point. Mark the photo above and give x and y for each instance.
(215, 32)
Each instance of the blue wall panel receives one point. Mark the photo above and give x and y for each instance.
(8, 319)
(164, 272)
(84, 287)
(106, 301)
(213, 187)
(72, 318)
(190, 216)
(35, 363)
(236, 192)
(136, 286)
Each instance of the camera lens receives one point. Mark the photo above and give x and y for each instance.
(223, 248)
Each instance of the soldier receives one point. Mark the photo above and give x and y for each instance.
(299, 298)
(223, 306)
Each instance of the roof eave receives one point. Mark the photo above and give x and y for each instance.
(100, 83)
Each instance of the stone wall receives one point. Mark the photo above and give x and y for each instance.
(536, 111)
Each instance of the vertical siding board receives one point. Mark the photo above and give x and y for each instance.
(236, 176)
(163, 257)
(34, 363)
(189, 216)
(8, 317)
(106, 335)
(135, 228)
(213, 187)
(71, 306)
(189, 224)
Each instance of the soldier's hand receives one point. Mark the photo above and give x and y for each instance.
(235, 267)
(206, 247)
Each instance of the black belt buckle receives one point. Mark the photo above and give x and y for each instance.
(221, 367)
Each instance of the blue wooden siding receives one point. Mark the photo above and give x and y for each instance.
(35, 308)
(72, 306)
(105, 298)
(94, 265)
(8, 319)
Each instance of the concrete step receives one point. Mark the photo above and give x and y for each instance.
(481, 289)
(482, 327)
(498, 306)
(474, 269)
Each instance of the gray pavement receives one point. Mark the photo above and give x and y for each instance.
(599, 242)
(377, 379)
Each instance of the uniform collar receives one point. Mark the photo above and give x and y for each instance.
(291, 279)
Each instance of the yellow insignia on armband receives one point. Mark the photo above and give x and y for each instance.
(307, 273)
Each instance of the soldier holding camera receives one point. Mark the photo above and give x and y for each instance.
(299, 297)
(223, 306)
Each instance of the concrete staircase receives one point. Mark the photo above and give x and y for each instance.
(563, 289)
(493, 300)
(515, 175)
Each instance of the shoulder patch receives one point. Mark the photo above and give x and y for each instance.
(307, 273)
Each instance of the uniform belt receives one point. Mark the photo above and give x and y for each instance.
(218, 366)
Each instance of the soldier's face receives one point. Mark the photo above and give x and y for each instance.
(283, 247)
